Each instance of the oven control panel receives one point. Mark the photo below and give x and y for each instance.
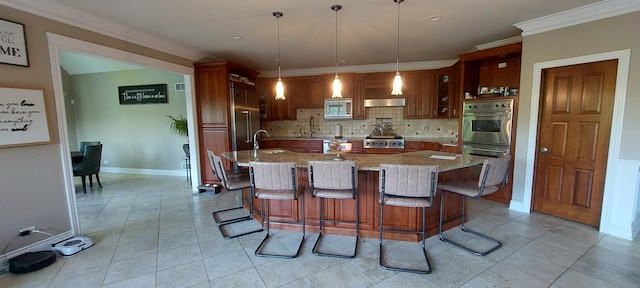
(488, 106)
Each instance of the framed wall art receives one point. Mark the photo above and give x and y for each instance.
(23, 118)
(143, 94)
(13, 43)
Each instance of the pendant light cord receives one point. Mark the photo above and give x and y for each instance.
(278, 47)
(336, 8)
(398, 47)
(278, 15)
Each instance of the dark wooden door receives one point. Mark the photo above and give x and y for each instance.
(573, 140)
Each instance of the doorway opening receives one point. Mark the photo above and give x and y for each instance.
(58, 43)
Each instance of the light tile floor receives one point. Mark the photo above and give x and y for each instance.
(152, 231)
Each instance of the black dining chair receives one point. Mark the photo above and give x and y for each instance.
(187, 160)
(89, 165)
(84, 144)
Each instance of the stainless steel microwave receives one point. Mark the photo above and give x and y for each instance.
(339, 108)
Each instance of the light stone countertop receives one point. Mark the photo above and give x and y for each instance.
(449, 141)
(366, 162)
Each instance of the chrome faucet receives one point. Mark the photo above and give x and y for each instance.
(312, 127)
(255, 142)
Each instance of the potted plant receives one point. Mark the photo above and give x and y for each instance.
(178, 125)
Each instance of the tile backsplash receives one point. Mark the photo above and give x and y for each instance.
(361, 128)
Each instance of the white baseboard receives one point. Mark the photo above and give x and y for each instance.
(143, 171)
(519, 206)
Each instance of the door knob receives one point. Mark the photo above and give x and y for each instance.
(544, 150)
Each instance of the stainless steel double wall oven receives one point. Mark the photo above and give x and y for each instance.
(486, 127)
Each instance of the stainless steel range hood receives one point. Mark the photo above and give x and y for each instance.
(379, 95)
(388, 102)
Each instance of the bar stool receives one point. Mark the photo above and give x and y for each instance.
(407, 186)
(334, 180)
(276, 181)
(232, 180)
(494, 172)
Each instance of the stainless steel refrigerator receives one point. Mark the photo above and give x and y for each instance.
(245, 114)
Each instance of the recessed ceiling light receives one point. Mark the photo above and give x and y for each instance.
(434, 18)
(236, 37)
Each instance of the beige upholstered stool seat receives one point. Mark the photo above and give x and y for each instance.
(408, 202)
(335, 194)
(279, 194)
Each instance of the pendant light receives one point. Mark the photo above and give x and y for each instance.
(279, 85)
(337, 87)
(397, 81)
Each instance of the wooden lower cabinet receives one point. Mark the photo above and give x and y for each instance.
(214, 139)
(344, 209)
(267, 144)
(306, 146)
(382, 151)
(356, 146)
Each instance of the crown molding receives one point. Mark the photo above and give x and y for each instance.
(84, 20)
(580, 15)
(407, 66)
(498, 43)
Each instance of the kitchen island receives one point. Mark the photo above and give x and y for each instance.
(368, 183)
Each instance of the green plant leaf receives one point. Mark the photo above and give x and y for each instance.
(178, 125)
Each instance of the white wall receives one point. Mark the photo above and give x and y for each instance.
(134, 136)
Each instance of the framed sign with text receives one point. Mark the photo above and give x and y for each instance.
(13, 43)
(23, 118)
(143, 94)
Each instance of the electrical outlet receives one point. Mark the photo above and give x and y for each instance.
(30, 228)
(106, 162)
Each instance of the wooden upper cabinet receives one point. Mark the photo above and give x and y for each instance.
(378, 85)
(357, 103)
(316, 92)
(296, 91)
(275, 109)
(346, 80)
(418, 89)
(309, 92)
(495, 67)
(212, 94)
